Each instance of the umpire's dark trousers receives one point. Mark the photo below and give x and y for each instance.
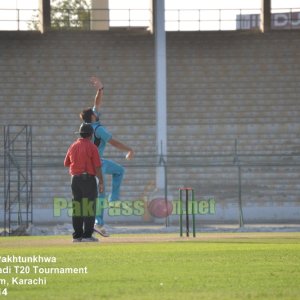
(84, 190)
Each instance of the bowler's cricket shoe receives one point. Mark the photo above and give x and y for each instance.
(101, 230)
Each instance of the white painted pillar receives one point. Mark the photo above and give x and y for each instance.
(161, 87)
(99, 15)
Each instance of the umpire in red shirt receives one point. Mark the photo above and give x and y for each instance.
(84, 164)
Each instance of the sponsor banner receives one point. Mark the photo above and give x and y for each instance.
(278, 21)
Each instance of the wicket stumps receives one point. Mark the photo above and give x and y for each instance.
(187, 194)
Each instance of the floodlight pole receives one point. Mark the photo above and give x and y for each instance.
(161, 90)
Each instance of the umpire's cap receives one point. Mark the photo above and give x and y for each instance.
(85, 128)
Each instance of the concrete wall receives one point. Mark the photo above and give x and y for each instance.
(222, 86)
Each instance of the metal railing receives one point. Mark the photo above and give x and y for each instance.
(175, 19)
(234, 178)
(206, 19)
(237, 181)
(19, 19)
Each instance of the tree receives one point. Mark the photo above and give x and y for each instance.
(67, 14)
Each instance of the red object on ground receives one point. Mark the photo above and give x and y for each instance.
(160, 208)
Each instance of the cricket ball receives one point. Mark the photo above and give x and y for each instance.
(160, 208)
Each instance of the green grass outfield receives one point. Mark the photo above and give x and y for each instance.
(157, 266)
